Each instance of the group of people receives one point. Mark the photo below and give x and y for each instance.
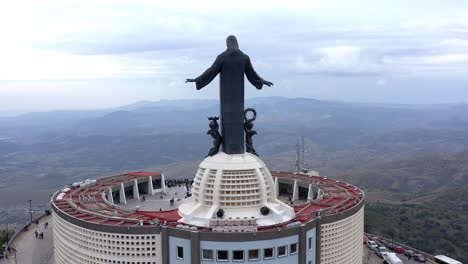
(41, 234)
(178, 182)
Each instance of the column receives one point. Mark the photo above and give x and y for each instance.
(277, 187)
(303, 244)
(150, 185)
(136, 194)
(163, 183)
(295, 195)
(110, 196)
(123, 199)
(310, 194)
(195, 247)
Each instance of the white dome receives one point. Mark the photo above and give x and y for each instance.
(239, 184)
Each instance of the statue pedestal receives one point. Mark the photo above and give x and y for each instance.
(239, 184)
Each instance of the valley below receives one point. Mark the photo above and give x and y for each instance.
(411, 161)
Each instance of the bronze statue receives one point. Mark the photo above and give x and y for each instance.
(214, 133)
(249, 132)
(232, 64)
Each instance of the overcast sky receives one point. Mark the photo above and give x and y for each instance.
(95, 54)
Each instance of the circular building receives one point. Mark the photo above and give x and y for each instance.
(235, 210)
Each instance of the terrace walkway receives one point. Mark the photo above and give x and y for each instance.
(30, 250)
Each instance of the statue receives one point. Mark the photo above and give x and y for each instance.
(232, 64)
(214, 133)
(249, 132)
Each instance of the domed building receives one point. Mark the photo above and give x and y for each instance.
(235, 187)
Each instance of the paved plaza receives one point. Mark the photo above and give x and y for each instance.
(158, 201)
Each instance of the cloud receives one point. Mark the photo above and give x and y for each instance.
(340, 43)
(106, 39)
(339, 60)
(382, 82)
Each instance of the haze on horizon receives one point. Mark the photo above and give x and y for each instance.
(96, 54)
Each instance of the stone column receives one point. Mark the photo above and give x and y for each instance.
(150, 185)
(136, 193)
(277, 187)
(110, 196)
(164, 245)
(295, 195)
(195, 247)
(310, 194)
(123, 199)
(163, 183)
(302, 244)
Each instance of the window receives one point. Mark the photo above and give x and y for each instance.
(238, 255)
(310, 243)
(180, 252)
(293, 249)
(282, 252)
(223, 255)
(268, 253)
(254, 254)
(207, 254)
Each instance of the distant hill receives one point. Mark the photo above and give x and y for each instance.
(344, 139)
(414, 156)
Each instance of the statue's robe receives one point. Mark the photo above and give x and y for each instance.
(231, 64)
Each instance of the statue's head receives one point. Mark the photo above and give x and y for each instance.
(231, 43)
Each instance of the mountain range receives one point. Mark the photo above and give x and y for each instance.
(387, 150)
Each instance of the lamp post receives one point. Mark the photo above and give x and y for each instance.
(30, 210)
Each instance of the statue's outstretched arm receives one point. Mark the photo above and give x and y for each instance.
(206, 77)
(253, 76)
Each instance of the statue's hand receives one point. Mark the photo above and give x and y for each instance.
(267, 83)
(189, 80)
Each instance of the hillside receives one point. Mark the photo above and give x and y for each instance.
(393, 152)
(436, 224)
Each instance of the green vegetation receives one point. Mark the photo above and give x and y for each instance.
(5, 235)
(427, 227)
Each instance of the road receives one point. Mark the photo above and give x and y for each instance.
(371, 258)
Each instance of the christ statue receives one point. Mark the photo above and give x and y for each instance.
(231, 64)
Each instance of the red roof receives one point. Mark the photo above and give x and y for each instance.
(144, 173)
(88, 204)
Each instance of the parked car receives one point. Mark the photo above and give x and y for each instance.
(391, 258)
(372, 245)
(419, 258)
(390, 246)
(409, 252)
(381, 251)
(365, 240)
(399, 249)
